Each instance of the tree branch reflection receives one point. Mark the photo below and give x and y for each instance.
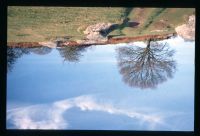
(13, 54)
(72, 53)
(146, 67)
(40, 50)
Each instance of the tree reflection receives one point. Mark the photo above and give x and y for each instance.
(40, 50)
(146, 67)
(71, 53)
(13, 54)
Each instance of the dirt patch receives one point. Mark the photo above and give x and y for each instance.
(161, 24)
(140, 13)
(140, 38)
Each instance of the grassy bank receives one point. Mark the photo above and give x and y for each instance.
(46, 23)
(36, 24)
(156, 20)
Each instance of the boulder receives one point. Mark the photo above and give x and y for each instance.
(100, 27)
(97, 33)
(96, 37)
(187, 31)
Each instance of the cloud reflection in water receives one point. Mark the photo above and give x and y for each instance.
(52, 116)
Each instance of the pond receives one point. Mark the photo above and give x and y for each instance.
(106, 87)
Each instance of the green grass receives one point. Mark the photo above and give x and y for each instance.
(36, 24)
(45, 23)
(152, 19)
(170, 18)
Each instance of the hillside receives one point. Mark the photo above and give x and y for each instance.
(38, 24)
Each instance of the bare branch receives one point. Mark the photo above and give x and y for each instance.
(146, 67)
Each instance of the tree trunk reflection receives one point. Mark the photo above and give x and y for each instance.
(146, 67)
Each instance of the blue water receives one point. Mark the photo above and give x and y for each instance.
(85, 88)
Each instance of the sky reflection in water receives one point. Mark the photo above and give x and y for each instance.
(87, 88)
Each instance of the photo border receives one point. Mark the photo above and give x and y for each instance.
(93, 3)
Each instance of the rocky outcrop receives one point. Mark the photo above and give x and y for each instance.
(100, 27)
(96, 33)
(187, 31)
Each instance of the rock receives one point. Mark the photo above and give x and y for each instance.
(97, 28)
(89, 42)
(97, 33)
(48, 44)
(187, 31)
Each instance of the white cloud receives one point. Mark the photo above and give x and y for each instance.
(37, 117)
(51, 116)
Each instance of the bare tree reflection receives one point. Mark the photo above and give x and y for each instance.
(146, 67)
(13, 54)
(71, 53)
(41, 50)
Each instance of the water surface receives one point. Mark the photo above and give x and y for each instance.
(106, 87)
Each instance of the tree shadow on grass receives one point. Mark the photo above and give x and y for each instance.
(126, 23)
